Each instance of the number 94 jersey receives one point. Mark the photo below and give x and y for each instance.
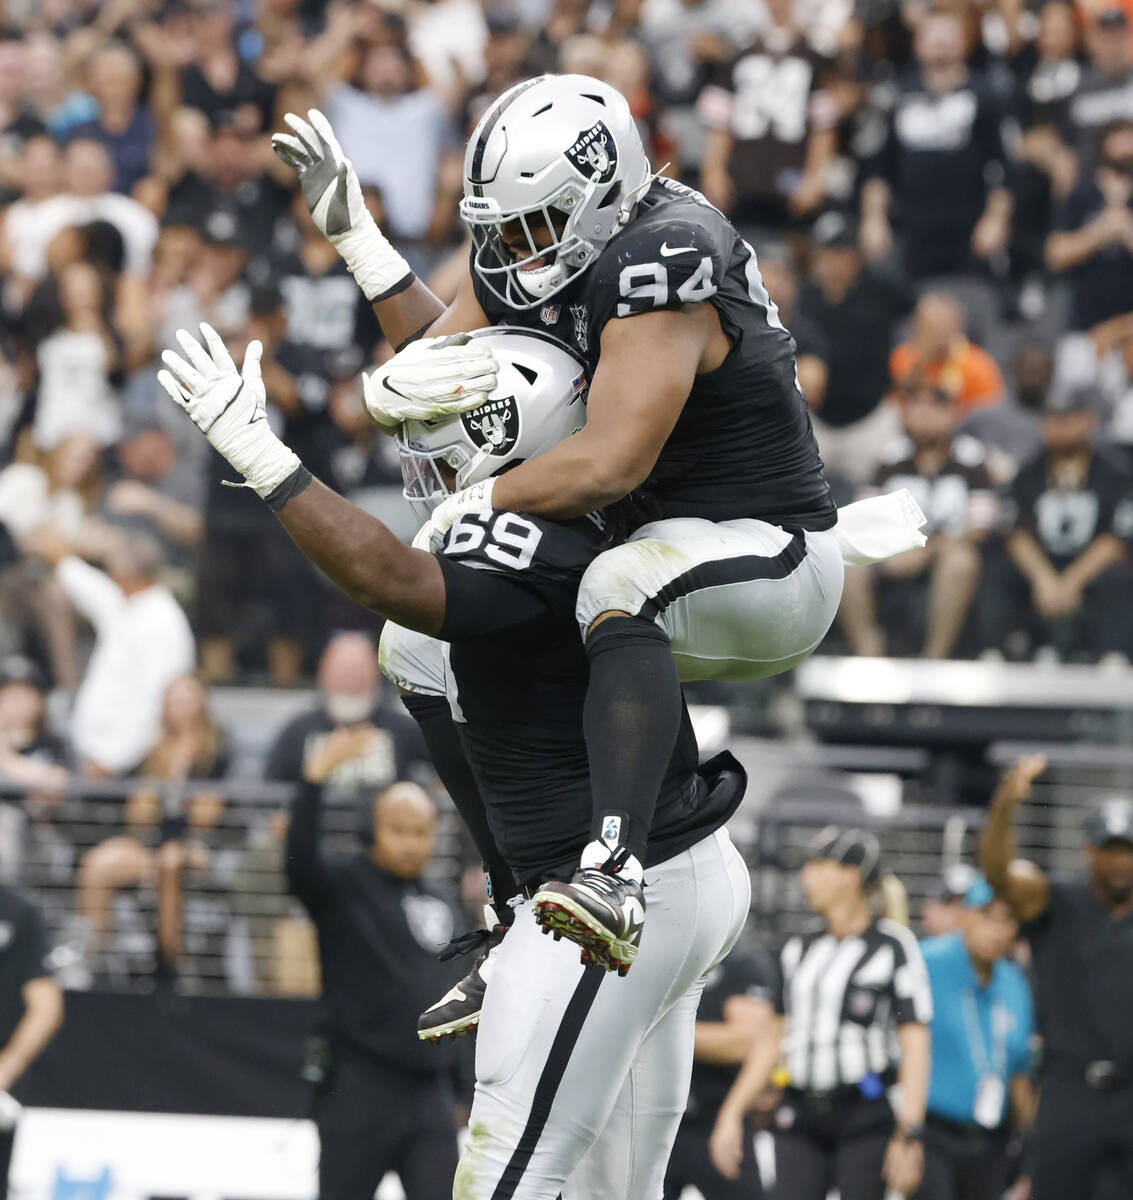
(743, 446)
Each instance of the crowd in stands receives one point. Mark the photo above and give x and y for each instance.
(940, 195)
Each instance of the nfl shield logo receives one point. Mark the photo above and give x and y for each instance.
(549, 314)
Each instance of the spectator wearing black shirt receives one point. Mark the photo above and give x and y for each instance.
(124, 125)
(1081, 936)
(1047, 73)
(1105, 93)
(30, 755)
(925, 594)
(1092, 243)
(325, 315)
(942, 167)
(350, 697)
(1072, 517)
(735, 1010)
(219, 82)
(857, 308)
(31, 1003)
(771, 131)
(383, 1101)
(230, 181)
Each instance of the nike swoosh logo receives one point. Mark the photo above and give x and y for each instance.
(668, 251)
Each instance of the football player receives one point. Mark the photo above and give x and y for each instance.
(579, 1074)
(732, 569)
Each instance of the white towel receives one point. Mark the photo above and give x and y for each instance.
(879, 527)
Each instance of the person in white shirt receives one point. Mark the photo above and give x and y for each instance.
(142, 643)
(88, 175)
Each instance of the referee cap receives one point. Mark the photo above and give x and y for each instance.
(851, 848)
(1112, 822)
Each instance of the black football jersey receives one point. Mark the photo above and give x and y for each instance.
(520, 673)
(743, 446)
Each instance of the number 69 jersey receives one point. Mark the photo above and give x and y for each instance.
(517, 675)
(743, 446)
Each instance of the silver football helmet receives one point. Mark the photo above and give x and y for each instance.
(561, 153)
(539, 399)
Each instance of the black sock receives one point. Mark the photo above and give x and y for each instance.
(631, 721)
(434, 719)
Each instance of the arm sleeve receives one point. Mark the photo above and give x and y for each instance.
(910, 987)
(303, 861)
(434, 718)
(90, 590)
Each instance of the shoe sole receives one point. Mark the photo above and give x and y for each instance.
(452, 1029)
(564, 917)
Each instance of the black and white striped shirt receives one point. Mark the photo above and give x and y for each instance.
(844, 1001)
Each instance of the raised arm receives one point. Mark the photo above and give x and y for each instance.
(355, 550)
(1020, 883)
(404, 305)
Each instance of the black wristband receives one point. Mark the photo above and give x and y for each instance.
(295, 483)
(911, 1133)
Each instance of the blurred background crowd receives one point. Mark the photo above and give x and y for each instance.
(941, 197)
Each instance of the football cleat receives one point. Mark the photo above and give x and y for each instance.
(600, 911)
(458, 1010)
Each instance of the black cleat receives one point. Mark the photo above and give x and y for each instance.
(458, 1011)
(600, 912)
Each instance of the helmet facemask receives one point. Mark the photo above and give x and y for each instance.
(539, 399)
(514, 280)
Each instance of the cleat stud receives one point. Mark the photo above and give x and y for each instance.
(558, 935)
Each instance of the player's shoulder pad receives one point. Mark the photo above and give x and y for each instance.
(660, 261)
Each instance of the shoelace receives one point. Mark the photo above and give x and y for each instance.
(468, 943)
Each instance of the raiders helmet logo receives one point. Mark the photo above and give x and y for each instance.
(594, 154)
(494, 426)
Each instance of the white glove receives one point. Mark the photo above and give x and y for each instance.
(475, 499)
(432, 377)
(333, 194)
(229, 407)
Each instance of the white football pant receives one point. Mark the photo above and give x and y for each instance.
(582, 1076)
(738, 599)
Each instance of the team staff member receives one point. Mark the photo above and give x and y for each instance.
(31, 1008)
(981, 1032)
(383, 1101)
(735, 1011)
(846, 990)
(1081, 937)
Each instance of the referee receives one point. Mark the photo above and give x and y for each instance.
(853, 1009)
(1081, 937)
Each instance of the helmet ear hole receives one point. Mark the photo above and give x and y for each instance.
(611, 197)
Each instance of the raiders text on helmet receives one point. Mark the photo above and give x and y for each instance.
(560, 153)
(539, 399)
